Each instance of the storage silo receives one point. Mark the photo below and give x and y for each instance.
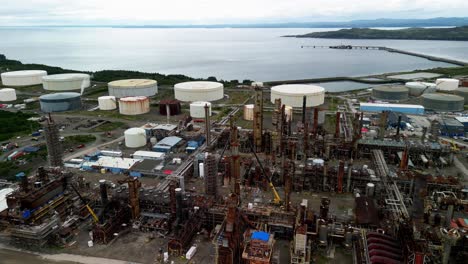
(133, 87)
(288, 111)
(257, 84)
(134, 105)
(60, 102)
(66, 81)
(197, 109)
(107, 102)
(173, 105)
(463, 92)
(390, 93)
(292, 94)
(418, 88)
(446, 84)
(23, 78)
(249, 112)
(199, 91)
(7, 95)
(135, 137)
(443, 102)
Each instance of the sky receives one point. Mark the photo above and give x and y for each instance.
(177, 12)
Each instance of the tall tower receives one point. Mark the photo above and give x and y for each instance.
(258, 120)
(54, 147)
(211, 186)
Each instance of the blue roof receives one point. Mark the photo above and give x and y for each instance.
(168, 141)
(259, 235)
(21, 174)
(31, 149)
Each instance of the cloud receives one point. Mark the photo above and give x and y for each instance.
(131, 12)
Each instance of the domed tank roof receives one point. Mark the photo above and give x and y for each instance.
(58, 96)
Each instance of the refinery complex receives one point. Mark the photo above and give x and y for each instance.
(258, 173)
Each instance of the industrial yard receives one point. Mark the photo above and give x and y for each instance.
(211, 172)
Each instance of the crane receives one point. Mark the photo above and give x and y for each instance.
(91, 212)
(277, 199)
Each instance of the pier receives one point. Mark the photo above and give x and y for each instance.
(415, 54)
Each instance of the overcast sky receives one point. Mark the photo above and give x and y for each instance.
(139, 12)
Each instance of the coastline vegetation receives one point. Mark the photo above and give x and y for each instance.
(455, 33)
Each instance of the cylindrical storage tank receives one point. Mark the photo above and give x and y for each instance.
(249, 112)
(445, 84)
(134, 105)
(418, 88)
(133, 87)
(66, 81)
(135, 137)
(174, 107)
(23, 78)
(463, 92)
(443, 102)
(323, 234)
(60, 102)
(7, 95)
(288, 110)
(390, 93)
(197, 109)
(257, 84)
(153, 141)
(293, 94)
(370, 189)
(199, 91)
(107, 102)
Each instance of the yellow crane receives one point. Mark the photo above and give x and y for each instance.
(276, 199)
(90, 210)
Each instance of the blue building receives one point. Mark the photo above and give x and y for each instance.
(167, 144)
(401, 108)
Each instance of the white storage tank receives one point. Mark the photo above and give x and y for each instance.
(133, 87)
(107, 102)
(292, 94)
(7, 95)
(23, 78)
(199, 91)
(197, 109)
(134, 105)
(370, 189)
(66, 82)
(418, 88)
(249, 112)
(445, 84)
(135, 137)
(257, 84)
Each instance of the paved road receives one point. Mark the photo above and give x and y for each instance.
(91, 148)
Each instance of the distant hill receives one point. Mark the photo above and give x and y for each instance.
(382, 22)
(456, 33)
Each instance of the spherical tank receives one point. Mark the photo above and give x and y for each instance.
(198, 91)
(443, 102)
(445, 84)
(23, 78)
(390, 93)
(66, 81)
(249, 112)
(463, 92)
(133, 87)
(7, 95)
(134, 105)
(107, 102)
(135, 137)
(173, 105)
(418, 88)
(197, 109)
(292, 94)
(60, 102)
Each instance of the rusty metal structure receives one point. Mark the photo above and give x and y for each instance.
(258, 120)
(54, 146)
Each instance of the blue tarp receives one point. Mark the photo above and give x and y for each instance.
(135, 174)
(21, 174)
(259, 235)
(31, 149)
